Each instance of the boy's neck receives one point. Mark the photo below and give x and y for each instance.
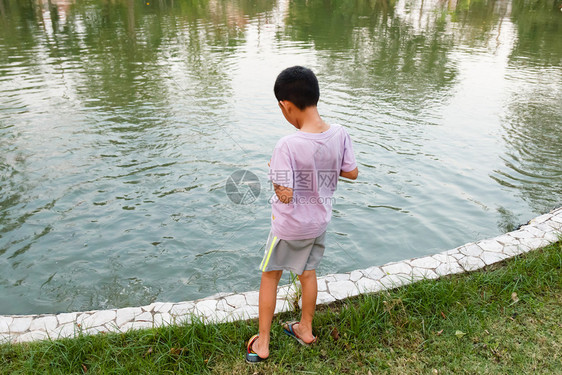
(309, 121)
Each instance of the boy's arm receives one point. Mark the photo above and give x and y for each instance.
(284, 194)
(352, 175)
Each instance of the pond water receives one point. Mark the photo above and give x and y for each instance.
(121, 120)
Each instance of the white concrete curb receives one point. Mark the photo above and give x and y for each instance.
(539, 232)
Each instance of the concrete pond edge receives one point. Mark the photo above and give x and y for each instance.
(227, 307)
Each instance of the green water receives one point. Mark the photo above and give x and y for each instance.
(120, 122)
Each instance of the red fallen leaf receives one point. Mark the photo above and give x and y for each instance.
(178, 351)
(443, 315)
(335, 334)
(84, 368)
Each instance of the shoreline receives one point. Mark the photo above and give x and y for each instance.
(228, 307)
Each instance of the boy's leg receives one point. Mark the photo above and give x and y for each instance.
(267, 301)
(309, 286)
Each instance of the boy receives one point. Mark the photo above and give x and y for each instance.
(304, 170)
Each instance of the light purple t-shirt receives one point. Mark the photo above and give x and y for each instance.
(310, 164)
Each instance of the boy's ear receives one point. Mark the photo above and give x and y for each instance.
(286, 105)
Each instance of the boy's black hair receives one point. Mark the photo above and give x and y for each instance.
(298, 85)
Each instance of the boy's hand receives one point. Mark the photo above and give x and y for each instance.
(284, 194)
(352, 175)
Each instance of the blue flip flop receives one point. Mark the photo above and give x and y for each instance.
(251, 356)
(288, 329)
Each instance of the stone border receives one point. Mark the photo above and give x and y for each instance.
(227, 307)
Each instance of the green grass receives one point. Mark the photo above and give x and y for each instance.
(502, 320)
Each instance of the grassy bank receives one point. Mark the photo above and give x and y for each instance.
(505, 319)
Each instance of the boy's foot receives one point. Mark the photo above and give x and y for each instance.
(253, 352)
(293, 329)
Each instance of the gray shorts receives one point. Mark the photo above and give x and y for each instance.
(292, 255)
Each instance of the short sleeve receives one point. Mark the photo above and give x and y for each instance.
(348, 161)
(280, 166)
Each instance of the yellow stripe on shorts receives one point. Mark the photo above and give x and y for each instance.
(268, 255)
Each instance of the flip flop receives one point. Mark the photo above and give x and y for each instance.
(288, 329)
(251, 356)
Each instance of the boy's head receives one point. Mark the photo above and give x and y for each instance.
(298, 85)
